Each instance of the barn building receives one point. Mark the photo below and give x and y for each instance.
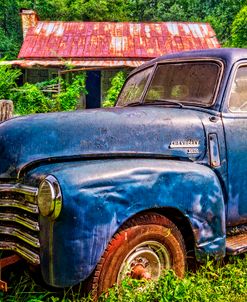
(101, 48)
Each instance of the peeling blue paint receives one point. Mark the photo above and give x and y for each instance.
(132, 131)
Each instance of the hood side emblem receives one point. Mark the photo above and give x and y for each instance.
(191, 143)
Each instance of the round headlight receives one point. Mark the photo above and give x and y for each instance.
(49, 197)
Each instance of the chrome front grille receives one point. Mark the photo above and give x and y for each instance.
(19, 227)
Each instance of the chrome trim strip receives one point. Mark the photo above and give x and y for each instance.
(21, 235)
(29, 207)
(22, 251)
(18, 188)
(33, 225)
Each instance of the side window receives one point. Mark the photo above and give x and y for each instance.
(238, 96)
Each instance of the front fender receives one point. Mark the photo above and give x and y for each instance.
(99, 196)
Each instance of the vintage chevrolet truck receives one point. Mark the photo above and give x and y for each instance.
(102, 194)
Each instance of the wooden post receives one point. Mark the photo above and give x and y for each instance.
(6, 110)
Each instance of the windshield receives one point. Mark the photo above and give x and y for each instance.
(190, 82)
(133, 88)
(186, 82)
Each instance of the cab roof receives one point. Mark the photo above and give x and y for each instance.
(228, 55)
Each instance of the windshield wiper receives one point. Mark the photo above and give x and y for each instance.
(133, 104)
(155, 102)
(165, 101)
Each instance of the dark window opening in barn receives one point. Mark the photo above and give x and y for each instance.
(34, 76)
(93, 86)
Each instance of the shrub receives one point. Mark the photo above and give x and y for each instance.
(239, 33)
(116, 85)
(68, 99)
(8, 78)
(31, 98)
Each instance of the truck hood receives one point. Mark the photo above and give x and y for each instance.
(136, 131)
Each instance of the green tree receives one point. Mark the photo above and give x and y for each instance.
(239, 26)
(82, 10)
(221, 17)
(220, 14)
(53, 9)
(166, 10)
(98, 10)
(10, 28)
(8, 78)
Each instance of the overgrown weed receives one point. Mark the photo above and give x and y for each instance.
(213, 282)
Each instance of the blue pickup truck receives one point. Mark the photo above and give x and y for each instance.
(98, 195)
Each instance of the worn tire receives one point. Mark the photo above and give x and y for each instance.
(135, 239)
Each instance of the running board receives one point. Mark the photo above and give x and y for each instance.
(236, 244)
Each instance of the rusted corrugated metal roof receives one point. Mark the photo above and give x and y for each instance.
(112, 40)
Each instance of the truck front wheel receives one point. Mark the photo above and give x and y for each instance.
(142, 249)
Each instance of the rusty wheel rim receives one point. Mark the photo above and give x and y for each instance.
(145, 261)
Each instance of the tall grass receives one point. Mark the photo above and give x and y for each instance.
(213, 282)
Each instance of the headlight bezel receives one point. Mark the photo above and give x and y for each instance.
(52, 207)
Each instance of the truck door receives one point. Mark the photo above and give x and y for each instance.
(235, 125)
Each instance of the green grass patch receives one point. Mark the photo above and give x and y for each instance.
(213, 282)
